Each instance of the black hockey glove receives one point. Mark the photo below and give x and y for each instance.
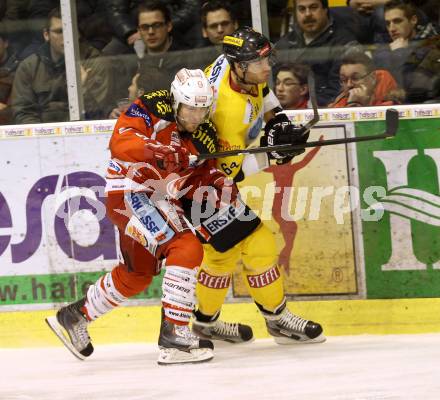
(280, 130)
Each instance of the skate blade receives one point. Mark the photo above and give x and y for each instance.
(175, 356)
(233, 342)
(59, 331)
(289, 341)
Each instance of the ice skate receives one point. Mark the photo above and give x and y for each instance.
(70, 325)
(288, 328)
(215, 329)
(178, 345)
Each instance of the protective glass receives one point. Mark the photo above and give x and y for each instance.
(354, 79)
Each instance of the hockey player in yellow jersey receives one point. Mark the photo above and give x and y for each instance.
(242, 102)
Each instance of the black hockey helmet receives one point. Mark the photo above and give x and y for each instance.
(245, 44)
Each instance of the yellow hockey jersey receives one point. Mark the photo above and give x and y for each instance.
(238, 117)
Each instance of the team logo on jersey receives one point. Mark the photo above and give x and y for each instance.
(163, 108)
(233, 41)
(136, 234)
(135, 111)
(123, 130)
(175, 139)
(223, 218)
(114, 166)
(156, 93)
(256, 128)
(204, 138)
(224, 145)
(215, 71)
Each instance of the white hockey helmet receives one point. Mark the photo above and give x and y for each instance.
(191, 87)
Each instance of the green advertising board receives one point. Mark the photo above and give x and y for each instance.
(59, 288)
(402, 177)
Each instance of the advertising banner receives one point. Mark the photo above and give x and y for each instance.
(349, 220)
(54, 237)
(401, 231)
(306, 203)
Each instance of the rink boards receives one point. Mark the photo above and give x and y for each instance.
(357, 221)
(141, 324)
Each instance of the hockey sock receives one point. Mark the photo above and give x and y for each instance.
(211, 291)
(102, 297)
(266, 287)
(205, 318)
(178, 294)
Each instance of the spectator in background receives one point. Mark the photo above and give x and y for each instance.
(317, 42)
(8, 65)
(39, 92)
(124, 103)
(430, 9)
(141, 80)
(154, 27)
(123, 17)
(218, 20)
(403, 56)
(422, 72)
(91, 19)
(362, 85)
(291, 86)
(373, 13)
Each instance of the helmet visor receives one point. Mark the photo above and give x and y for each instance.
(262, 63)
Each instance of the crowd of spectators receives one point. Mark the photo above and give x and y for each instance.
(367, 53)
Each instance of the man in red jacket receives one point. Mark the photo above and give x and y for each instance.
(149, 174)
(363, 85)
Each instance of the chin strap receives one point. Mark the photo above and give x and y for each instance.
(242, 80)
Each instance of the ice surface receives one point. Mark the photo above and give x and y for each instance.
(343, 368)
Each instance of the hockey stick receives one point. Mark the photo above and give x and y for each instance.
(312, 93)
(391, 121)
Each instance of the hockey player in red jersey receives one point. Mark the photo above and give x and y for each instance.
(148, 172)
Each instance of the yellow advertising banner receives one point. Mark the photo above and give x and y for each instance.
(306, 204)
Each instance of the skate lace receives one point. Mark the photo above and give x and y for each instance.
(185, 332)
(226, 328)
(81, 333)
(293, 322)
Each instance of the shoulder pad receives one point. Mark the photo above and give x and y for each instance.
(158, 103)
(204, 138)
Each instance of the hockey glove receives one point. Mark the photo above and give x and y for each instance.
(217, 189)
(226, 191)
(167, 158)
(280, 130)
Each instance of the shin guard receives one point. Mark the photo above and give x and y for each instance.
(266, 287)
